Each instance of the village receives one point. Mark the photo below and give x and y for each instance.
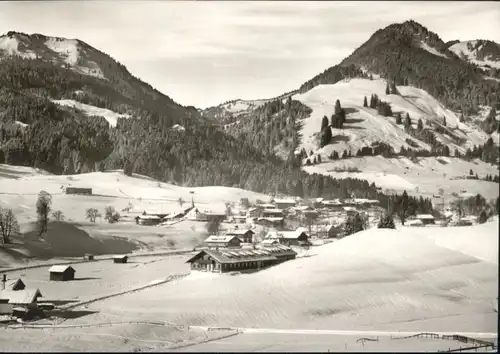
(245, 237)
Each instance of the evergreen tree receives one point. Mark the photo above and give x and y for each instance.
(365, 102)
(398, 118)
(324, 123)
(483, 217)
(344, 154)
(394, 89)
(444, 121)
(403, 208)
(420, 125)
(353, 224)
(338, 108)
(471, 173)
(387, 89)
(386, 222)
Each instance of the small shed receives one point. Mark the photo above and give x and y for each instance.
(148, 220)
(62, 273)
(426, 219)
(296, 238)
(120, 259)
(269, 242)
(88, 257)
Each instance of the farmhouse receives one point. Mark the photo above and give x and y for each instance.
(329, 231)
(61, 273)
(77, 190)
(269, 242)
(222, 261)
(425, 218)
(120, 259)
(10, 299)
(245, 235)
(229, 241)
(284, 203)
(291, 238)
(272, 222)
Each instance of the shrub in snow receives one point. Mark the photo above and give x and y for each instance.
(386, 222)
(483, 217)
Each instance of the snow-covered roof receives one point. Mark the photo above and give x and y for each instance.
(273, 211)
(272, 219)
(414, 222)
(221, 239)
(267, 206)
(349, 209)
(26, 296)
(120, 256)
(331, 202)
(425, 216)
(286, 234)
(285, 201)
(269, 242)
(149, 217)
(59, 268)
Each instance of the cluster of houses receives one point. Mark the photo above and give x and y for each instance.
(17, 300)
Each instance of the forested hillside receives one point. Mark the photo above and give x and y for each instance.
(34, 131)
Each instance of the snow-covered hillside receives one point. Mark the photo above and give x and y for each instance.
(10, 46)
(110, 116)
(469, 51)
(365, 126)
(379, 279)
(66, 52)
(424, 177)
(69, 50)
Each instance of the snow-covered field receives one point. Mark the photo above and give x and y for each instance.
(423, 178)
(377, 283)
(110, 116)
(365, 126)
(19, 187)
(394, 280)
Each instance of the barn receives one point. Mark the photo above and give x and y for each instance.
(9, 299)
(272, 222)
(225, 260)
(230, 241)
(269, 242)
(61, 273)
(120, 259)
(245, 235)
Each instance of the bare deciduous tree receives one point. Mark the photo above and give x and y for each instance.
(92, 214)
(9, 226)
(58, 215)
(110, 215)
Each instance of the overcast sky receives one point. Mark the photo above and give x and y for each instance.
(205, 53)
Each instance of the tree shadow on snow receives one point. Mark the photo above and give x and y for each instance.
(86, 278)
(68, 314)
(350, 110)
(354, 120)
(352, 127)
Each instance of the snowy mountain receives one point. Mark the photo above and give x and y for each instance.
(405, 55)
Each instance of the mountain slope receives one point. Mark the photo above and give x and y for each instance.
(59, 115)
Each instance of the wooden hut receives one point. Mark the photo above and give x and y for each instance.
(120, 259)
(61, 273)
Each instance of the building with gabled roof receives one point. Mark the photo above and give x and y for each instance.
(9, 299)
(285, 203)
(245, 235)
(225, 241)
(228, 260)
(298, 237)
(426, 218)
(62, 273)
(15, 284)
(277, 222)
